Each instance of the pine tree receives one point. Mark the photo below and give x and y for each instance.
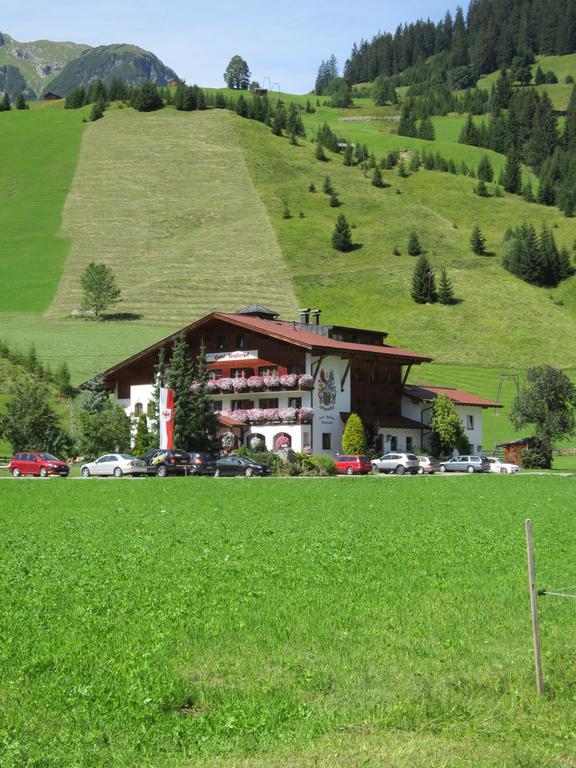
(512, 179)
(142, 441)
(286, 212)
(354, 437)
(478, 241)
(348, 156)
(320, 155)
(377, 178)
(423, 282)
(63, 381)
(481, 189)
(311, 187)
(204, 423)
(154, 402)
(414, 163)
(5, 105)
(21, 101)
(242, 107)
(445, 288)
(569, 136)
(334, 201)
(342, 235)
(414, 247)
(402, 172)
(527, 192)
(485, 171)
(97, 111)
(327, 187)
(426, 130)
(180, 377)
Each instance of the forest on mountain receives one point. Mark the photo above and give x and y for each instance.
(488, 37)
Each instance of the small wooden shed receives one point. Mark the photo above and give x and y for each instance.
(51, 96)
(513, 449)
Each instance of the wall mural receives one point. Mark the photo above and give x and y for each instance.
(326, 391)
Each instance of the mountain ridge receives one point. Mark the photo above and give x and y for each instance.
(47, 65)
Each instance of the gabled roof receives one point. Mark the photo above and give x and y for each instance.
(285, 331)
(257, 309)
(458, 396)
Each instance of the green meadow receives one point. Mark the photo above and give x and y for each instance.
(365, 621)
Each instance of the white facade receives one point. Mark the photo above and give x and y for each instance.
(470, 416)
(330, 398)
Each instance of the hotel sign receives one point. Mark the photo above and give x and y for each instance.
(223, 357)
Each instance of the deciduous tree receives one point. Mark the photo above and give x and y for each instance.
(99, 288)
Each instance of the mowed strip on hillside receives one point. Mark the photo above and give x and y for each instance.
(167, 201)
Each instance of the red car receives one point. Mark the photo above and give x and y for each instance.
(42, 464)
(353, 465)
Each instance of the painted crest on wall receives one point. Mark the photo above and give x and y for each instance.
(326, 390)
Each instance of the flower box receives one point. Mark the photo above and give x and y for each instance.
(289, 381)
(255, 383)
(305, 415)
(240, 385)
(225, 385)
(306, 382)
(271, 382)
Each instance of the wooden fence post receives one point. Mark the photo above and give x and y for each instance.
(534, 608)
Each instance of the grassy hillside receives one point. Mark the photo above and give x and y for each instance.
(284, 623)
(166, 199)
(501, 321)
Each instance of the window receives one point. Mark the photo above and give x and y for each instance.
(469, 421)
(214, 373)
(326, 441)
(138, 409)
(294, 402)
(241, 373)
(240, 405)
(409, 443)
(220, 341)
(393, 443)
(151, 409)
(373, 375)
(214, 405)
(270, 402)
(240, 341)
(267, 370)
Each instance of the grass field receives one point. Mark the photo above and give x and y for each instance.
(166, 199)
(360, 622)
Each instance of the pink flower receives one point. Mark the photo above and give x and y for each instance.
(289, 381)
(306, 382)
(305, 414)
(287, 414)
(272, 382)
(255, 383)
(240, 385)
(225, 385)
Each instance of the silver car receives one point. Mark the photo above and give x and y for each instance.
(399, 463)
(114, 465)
(428, 465)
(465, 464)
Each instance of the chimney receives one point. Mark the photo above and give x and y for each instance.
(305, 316)
(316, 316)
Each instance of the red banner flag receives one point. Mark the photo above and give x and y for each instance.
(166, 418)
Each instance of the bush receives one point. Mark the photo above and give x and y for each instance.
(304, 465)
(535, 458)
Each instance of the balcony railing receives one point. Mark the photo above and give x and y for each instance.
(288, 382)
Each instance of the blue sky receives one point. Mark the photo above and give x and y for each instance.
(282, 41)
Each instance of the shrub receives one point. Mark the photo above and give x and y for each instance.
(354, 437)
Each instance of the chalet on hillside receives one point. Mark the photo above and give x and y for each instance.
(51, 96)
(173, 83)
(294, 383)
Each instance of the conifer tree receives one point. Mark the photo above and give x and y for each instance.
(478, 241)
(242, 107)
(423, 282)
(97, 111)
(481, 189)
(21, 101)
(426, 130)
(377, 178)
(327, 187)
(334, 201)
(414, 247)
(142, 441)
(402, 172)
(342, 235)
(180, 377)
(320, 155)
(63, 380)
(445, 288)
(348, 156)
(485, 171)
(154, 402)
(569, 136)
(512, 179)
(204, 423)
(5, 105)
(354, 437)
(311, 187)
(414, 163)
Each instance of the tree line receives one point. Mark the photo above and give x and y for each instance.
(491, 35)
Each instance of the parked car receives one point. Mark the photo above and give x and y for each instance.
(163, 461)
(41, 464)
(230, 466)
(465, 464)
(428, 465)
(202, 464)
(353, 465)
(504, 468)
(114, 464)
(399, 463)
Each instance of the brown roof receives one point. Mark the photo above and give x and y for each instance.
(286, 331)
(458, 396)
(282, 330)
(228, 421)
